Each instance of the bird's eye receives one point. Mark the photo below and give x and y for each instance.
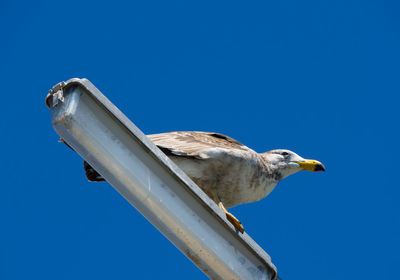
(284, 153)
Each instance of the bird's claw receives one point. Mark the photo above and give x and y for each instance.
(235, 222)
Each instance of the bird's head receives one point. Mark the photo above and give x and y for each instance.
(286, 162)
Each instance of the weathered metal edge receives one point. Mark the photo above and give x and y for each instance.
(151, 148)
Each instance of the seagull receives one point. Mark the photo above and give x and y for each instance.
(226, 170)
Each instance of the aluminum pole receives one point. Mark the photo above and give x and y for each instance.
(153, 184)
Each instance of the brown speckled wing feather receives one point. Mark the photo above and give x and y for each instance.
(192, 143)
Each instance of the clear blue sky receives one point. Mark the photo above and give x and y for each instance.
(318, 78)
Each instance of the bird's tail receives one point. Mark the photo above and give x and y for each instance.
(91, 174)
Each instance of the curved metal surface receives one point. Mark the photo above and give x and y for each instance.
(153, 184)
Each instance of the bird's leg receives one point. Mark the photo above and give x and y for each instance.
(234, 221)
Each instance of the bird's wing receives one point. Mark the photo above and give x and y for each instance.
(192, 143)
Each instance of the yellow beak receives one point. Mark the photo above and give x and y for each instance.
(311, 165)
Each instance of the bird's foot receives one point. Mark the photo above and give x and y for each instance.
(235, 222)
(232, 219)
